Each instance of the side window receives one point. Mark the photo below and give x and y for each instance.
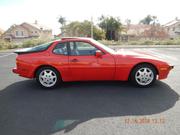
(61, 49)
(82, 48)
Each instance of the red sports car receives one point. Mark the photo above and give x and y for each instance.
(84, 59)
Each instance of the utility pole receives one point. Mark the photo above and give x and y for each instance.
(91, 27)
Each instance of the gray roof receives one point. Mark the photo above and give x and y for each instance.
(37, 26)
(171, 23)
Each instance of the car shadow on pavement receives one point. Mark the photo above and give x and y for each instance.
(26, 108)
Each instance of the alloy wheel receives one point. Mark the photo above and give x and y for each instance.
(47, 78)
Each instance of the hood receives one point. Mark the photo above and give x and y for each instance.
(138, 54)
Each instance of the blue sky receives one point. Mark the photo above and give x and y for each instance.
(47, 11)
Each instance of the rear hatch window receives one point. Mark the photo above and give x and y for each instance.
(38, 48)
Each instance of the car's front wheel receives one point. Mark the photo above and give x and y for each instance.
(143, 75)
(48, 77)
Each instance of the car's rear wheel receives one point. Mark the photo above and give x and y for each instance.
(143, 75)
(48, 77)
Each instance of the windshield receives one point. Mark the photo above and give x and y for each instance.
(103, 46)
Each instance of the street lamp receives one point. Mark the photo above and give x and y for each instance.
(91, 27)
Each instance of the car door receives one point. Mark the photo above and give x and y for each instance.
(59, 58)
(84, 65)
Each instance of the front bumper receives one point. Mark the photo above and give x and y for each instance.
(166, 68)
(164, 71)
(171, 67)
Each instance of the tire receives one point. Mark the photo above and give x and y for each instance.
(143, 75)
(48, 77)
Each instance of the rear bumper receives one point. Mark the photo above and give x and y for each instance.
(23, 73)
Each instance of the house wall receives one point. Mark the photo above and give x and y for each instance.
(33, 32)
(46, 34)
(25, 31)
(22, 31)
(15, 32)
(173, 30)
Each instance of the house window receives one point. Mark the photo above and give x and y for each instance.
(19, 33)
(22, 33)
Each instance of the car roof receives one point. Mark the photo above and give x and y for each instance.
(83, 38)
(73, 39)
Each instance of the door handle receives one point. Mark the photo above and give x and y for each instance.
(74, 60)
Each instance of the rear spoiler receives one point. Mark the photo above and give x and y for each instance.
(25, 51)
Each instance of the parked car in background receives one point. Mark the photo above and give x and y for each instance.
(84, 59)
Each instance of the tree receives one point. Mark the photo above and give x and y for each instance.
(62, 20)
(83, 29)
(111, 25)
(154, 29)
(98, 33)
(147, 20)
(154, 20)
(128, 22)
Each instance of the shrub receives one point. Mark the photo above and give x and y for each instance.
(144, 42)
(5, 44)
(28, 43)
(148, 42)
(33, 42)
(133, 43)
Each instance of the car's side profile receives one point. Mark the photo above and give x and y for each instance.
(84, 59)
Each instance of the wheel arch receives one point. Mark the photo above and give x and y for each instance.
(141, 63)
(41, 66)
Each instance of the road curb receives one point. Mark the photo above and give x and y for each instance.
(144, 46)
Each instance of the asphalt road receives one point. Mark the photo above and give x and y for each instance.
(90, 108)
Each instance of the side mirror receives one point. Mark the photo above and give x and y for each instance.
(98, 53)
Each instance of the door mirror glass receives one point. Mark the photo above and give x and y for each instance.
(99, 53)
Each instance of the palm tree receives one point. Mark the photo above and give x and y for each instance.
(62, 20)
(147, 20)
